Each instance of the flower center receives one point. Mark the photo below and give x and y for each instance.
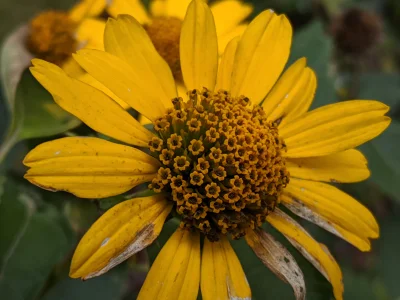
(165, 34)
(222, 163)
(51, 37)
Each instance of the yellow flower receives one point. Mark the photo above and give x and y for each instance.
(55, 35)
(223, 161)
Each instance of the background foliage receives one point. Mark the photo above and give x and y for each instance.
(39, 230)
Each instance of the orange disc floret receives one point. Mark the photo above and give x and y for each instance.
(222, 163)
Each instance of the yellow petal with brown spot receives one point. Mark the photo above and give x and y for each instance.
(313, 251)
(222, 276)
(88, 167)
(175, 274)
(122, 231)
(90, 105)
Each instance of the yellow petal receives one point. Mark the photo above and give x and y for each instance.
(158, 8)
(298, 208)
(72, 68)
(175, 274)
(91, 106)
(126, 39)
(122, 231)
(176, 8)
(346, 166)
(222, 276)
(182, 91)
(313, 251)
(88, 167)
(134, 8)
(143, 120)
(347, 216)
(226, 66)
(86, 8)
(334, 128)
(122, 80)
(278, 259)
(90, 80)
(261, 56)
(229, 13)
(90, 33)
(223, 40)
(292, 94)
(199, 47)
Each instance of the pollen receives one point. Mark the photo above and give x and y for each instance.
(165, 32)
(51, 37)
(222, 163)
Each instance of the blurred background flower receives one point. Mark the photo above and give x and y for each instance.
(353, 45)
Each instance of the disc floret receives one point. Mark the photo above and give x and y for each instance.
(222, 163)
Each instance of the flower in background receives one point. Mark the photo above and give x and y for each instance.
(223, 161)
(54, 35)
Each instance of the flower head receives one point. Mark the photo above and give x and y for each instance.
(223, 161)
(55, 35)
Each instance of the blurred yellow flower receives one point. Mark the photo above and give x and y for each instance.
(55, 35)
(223, 161)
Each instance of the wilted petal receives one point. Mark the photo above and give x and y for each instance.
(121, 232)
(313, 251)
(278, 259)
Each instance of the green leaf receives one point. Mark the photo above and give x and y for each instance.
(32, 243)
(357, 286)
(80, 213)
(105, 287)
(42, 116)
(389, 249)
(312, 43)
(14, 59)
(384, 161)
(383, 87)
(33, 110)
